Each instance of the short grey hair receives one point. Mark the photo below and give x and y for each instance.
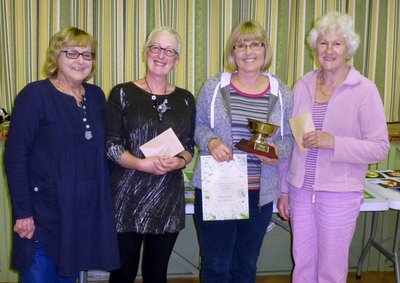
(334, 21)
(168, 30)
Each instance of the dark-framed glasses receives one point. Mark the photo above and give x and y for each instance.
(70, 54)
(156, 49)
(255, 46)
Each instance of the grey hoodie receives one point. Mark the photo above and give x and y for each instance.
(214, 119)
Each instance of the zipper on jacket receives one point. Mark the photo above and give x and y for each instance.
(313, 194)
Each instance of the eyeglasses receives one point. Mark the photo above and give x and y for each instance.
(155, 49)
(88, 56)
(255, 46)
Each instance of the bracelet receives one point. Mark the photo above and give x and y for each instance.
(181, 157)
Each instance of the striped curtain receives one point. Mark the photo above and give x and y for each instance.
(121, 27)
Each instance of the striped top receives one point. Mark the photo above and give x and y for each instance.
(243, 106)
(318, 115)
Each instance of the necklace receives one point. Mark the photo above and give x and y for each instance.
(161, 107)
(80, 100)
(335, 85)
(153, 97)
(78, 97)
(320, 89)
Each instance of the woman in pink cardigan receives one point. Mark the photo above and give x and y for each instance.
(326, 180)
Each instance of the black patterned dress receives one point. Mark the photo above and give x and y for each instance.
(145, 202)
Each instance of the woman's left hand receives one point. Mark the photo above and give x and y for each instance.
(318, 139)
(167, 164)
(265, 159)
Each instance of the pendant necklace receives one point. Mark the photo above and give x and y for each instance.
(162, 107)
(79, 98)
(81, 103)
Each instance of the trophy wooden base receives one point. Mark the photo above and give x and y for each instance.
(260, 149)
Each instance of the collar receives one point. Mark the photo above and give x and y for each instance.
(273, 82)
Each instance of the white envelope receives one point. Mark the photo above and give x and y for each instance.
(166, 144)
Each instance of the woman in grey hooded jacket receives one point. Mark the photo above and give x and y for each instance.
(230, 248)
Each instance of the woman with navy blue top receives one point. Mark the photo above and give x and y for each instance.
(230, 248)
(56, 169)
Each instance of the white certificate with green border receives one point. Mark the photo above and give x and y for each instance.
(224, 188)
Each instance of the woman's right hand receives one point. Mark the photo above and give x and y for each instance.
(219, 150)
(25, 228)
(154, 165)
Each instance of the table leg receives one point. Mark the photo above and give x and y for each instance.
(395, 257)
(284, 224)
(369, 243)
(83, 277)
(391, 255)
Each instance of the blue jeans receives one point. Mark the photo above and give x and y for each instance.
(230, 248)
(44, 270)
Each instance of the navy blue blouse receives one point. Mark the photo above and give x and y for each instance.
(57, 173)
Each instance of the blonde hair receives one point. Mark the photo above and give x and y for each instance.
(334, 21)
(246, 31)
(70, 36)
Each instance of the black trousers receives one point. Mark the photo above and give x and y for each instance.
(157, 249)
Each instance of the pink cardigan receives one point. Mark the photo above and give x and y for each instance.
(356, 118)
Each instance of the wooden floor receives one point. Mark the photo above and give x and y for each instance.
(366, 277)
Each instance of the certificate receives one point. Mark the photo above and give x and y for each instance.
(224, 188)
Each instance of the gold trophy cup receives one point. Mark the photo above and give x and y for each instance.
(258, 143)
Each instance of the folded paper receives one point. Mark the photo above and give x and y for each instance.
(300, 125)
(165, 144)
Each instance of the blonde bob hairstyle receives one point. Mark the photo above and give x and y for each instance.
(167, 30)
(335, 22)
(67, 37)
(247, 31)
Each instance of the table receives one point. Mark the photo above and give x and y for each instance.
(392, 195)
(376, 203)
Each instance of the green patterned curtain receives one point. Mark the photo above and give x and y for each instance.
(121, 27)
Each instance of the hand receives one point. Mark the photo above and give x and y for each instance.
(284, 207)
(154, 165)
(265, 159)
(165, 164)
(172, 163)
(318, 139)
(25, 228)
(219, 150)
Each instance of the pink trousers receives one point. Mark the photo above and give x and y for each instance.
(322, 232)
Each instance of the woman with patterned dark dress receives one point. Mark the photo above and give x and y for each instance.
(149, 192)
